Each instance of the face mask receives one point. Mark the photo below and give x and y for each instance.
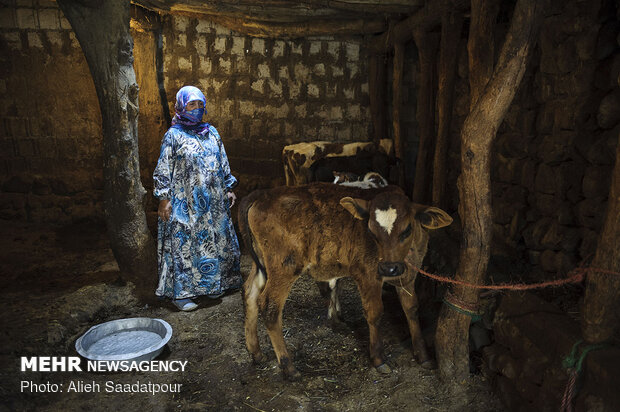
(194, 115)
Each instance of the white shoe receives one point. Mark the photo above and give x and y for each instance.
(185, 305)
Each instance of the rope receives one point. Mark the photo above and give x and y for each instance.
(574, 364)
(462, 307)
(575, 276)
(569, 392)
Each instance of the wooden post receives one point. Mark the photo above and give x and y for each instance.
(451, 25)
(600, 307)
(474, 183)
(102, 28)
(481, 46)
(427, 53)
(376, 86)
(397, 85)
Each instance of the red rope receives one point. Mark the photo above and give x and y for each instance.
(456, 301)
(569, 392)
(575, 276)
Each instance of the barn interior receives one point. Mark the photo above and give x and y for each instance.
(506, 114)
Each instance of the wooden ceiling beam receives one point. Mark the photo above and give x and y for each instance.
(296, 30)
(287, 8)
(426, 19)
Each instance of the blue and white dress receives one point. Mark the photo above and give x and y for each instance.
(197, 248)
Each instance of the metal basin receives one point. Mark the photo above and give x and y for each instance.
(133, 339)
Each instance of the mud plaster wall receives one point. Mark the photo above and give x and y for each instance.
(261, 95)
(50, 128)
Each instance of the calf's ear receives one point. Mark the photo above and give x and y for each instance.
(433, 217)
(357, 207)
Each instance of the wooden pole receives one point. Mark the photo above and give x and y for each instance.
(376, 86)
(481, 46)
(427, 53)
(600, 307)
(397, 86)
(474, 184)
(102, 28)
(451, 26)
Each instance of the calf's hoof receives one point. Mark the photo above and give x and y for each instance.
(288, 369)
(258, 358)
(336, 323)
(429, 364)
(292, 376)
(384, 369)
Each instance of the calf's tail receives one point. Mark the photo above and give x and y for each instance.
(246, 231)
(254, 282)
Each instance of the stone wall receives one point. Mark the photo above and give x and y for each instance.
(554, 153)
(525, 364)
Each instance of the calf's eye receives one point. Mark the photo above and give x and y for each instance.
(405, 234)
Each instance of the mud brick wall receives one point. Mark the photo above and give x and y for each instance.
(264, 94)
(261, 95)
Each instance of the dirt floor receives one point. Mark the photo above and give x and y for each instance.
(59, 281)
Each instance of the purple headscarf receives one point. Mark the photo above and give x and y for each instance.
(187, 120)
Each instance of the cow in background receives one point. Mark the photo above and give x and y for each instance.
(371, 180)
(314, 161)
(330, 231)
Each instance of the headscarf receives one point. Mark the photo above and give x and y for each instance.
(191, 120)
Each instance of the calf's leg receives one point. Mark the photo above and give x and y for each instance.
(271, 302)
(333, 313)
(409, 302)
(373, 310)
(252, 288)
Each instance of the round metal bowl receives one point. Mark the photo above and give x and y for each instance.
(132, 339)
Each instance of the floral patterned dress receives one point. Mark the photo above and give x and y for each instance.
(197, 248)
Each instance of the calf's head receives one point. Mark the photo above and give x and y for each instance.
(396, 225)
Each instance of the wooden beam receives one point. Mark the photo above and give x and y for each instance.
(397, 86)
(425, 19)
(284, 10)
(427, 52)
(451, 26)
(297, 30)
(252, 27)
(377, 86)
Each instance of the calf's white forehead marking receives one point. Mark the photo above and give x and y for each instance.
(386, 218)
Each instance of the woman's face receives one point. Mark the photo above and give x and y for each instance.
(194, 104)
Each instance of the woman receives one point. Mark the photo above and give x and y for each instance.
(197, 248)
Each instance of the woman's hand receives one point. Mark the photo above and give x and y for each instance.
(231, 198)
(164, 210)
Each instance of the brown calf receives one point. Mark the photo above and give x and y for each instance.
(330, 231)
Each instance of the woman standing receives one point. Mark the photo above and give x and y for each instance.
(197, 248)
